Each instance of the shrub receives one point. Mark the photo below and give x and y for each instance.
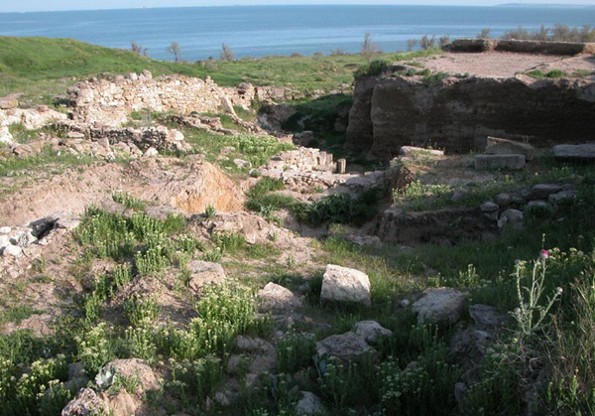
(371, 69)
(294, 351)
(339, 209)
(369, 48)
(227, 53)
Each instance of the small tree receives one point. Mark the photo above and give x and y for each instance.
(175, 50)
(136, 48)
(411, 43)
(484, 34)
(226, 53)
(427, 42)
(443, 41)
(369, 48)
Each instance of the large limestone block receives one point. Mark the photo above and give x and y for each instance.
(575, 152)
(346, 347)
(442, 304)
(498, 146)
(495, 162)
(274, 297)
(342, 284)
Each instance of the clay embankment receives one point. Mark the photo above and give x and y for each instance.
(487, 94)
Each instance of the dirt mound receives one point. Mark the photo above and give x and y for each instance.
(187, 185)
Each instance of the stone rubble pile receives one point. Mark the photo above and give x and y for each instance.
(20, 245)
(105, 142)
(509, 209)
(306, 168)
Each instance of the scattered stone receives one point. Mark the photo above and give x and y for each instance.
(263, 355)
(85, 403)
(575, 152)
(23, 239)
(76, 135)
(5, 230)
(540, 206)
(347, 347)
(12, 251)
(309, 405)
(151, 152)
(343, 284)
(439, 305)
(242, 164)
(205, 273)
(495, 162)
(488, 207)
(562, 197)
(503, 199)
(371, 331)
(498, 146)
(487, 317)
(4, 241)
(543, 191)
(274, 297)
(9, 102)
(513, 217)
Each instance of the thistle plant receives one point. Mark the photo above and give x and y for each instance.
(530, 313)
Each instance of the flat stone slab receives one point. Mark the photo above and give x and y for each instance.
(495, 162)
(498, 146)
(575, 152)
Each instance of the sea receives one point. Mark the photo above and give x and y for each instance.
(256, 31)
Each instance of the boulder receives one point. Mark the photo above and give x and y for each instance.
(562, 197)
(442, 304)
(513, 217)
(205, 273)
(12, 251)
(503, 199)
(495, 162)
(371, 331)
(9, 102)
(488, 207)
(575, 152)
(86, 403)
(498, 146)
(487, 317)
(346, 347)
(543, 191)
(342, 284)
(274, 297)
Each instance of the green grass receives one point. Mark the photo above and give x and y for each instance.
(41, 68)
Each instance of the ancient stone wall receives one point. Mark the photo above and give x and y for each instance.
(521, 46)
(459, 113)
(110, 102)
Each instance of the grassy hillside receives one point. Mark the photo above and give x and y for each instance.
(42, 67)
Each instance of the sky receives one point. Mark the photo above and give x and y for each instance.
(44, 5)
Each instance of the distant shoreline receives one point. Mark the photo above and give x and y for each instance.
(546, 5)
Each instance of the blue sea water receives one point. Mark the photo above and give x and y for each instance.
(281, 30)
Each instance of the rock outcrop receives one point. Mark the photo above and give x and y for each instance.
(459, 113)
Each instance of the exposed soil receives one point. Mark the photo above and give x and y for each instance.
(506, 64)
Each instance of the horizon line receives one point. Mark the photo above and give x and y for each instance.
(511, 4)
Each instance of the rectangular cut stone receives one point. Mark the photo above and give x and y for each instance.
(493, 162)
(498, 146)
(577, 152)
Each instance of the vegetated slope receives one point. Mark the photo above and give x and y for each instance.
(41, 67)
